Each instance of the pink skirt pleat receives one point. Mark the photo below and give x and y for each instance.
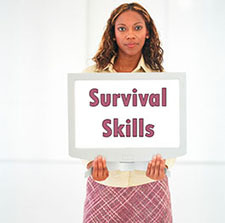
(147, 203)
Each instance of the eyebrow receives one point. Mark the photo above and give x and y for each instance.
(125, 24)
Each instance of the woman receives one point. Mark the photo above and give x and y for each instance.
(130, 43)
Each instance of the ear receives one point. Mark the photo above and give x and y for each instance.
(147, 35)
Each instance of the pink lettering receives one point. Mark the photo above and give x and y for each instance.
(154, 100)
(163, 96)
(92, 95)
(149, 128)
(107, 128)
(118, 128)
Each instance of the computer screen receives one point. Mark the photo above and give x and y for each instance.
(127, 116)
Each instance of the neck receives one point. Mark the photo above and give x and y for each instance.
(126, 63)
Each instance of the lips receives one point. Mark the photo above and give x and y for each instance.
(131, 45)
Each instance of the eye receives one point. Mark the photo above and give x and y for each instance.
(138, 27)
(121, 28)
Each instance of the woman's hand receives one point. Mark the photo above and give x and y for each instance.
(100, 171)
(155, 169)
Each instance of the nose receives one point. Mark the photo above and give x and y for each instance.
(130, 35)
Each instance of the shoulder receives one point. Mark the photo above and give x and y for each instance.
(147, 69)
(90, 69)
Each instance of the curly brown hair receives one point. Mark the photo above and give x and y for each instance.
(152, 51)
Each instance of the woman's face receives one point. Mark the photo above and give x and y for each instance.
(130, 33)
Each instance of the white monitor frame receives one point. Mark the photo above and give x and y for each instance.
(126, 154)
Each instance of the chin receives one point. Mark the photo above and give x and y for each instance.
(130, 53)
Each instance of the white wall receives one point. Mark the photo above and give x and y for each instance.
(196, 45)
(42, 41)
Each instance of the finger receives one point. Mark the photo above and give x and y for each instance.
(104, 163)
(90, 164)
(157, 167)
(148, 169)
(94, 173)
(106, 174)
(104, 168)
(152, 170)
(100, 167)
(162, 172)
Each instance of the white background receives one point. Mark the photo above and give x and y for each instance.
(42, 41)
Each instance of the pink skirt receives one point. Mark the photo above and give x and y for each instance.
(147, 203)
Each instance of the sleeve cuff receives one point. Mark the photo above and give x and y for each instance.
(170, 162)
